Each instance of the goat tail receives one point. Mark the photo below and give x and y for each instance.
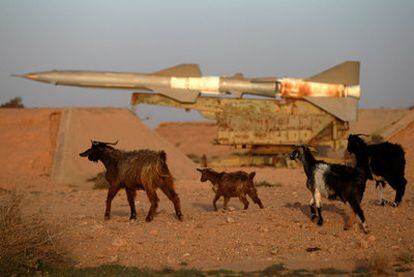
(251, 175)
(163, 156)
(161, 167)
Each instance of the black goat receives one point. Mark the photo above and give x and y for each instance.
(383, 162)
(334, 182)
(132, 170)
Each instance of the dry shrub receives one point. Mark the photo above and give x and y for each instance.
(99, 181)
(16, 102)
(379, 263)
(267, 184)
(26, 241)
(194, 157)
(406, 257)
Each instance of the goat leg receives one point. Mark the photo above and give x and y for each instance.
(318, 203)
(244, 200)
(112, 191)
(320, 218)
(350, 221)
(312, 209)
(216, 197)
(357, 209)
(380, 189)
(173, 197)
(153, 198)
(253, 195)
(400, 192)
(131, 201)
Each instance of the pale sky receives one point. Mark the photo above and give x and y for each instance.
(257, 38)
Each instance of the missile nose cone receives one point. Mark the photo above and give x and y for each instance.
(31, 76)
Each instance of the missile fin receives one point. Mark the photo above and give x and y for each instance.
(345, 109)
(183, 96)
(346, 73)
(181, 70)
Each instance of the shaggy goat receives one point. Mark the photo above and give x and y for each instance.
(233, 184)
(383, 162)
(132, 170)
(334, 182)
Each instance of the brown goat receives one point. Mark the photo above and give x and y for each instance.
(132, 170)
(233, 184)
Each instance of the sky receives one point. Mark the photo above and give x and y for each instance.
(258, 38)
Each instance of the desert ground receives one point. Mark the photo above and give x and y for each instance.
(235, 239)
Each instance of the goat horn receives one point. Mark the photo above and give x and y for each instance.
(110, 143)
(361, 135)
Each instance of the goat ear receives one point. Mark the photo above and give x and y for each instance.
(198, 169)
(252, 174)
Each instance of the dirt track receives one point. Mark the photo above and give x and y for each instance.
(238, 239)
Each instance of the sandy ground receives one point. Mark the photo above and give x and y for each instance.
(238, 239)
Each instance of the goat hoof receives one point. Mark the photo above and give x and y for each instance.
(320, 222)
(347, 227)
(180, 217)
(395, 204)
(133, 217)
(149, 218)
(313, 216)
(107, 217)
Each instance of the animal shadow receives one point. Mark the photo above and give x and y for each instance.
(304, 208)
(206, 207)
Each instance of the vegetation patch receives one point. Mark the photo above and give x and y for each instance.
(406, 257)
(99, 181)
(379, 264)
(194, 157)
(119, 270)
(267, 184)
(26, 240)
(16, 102)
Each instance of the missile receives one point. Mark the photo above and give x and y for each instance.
(185, 83)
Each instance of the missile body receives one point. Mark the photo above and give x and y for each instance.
(149, 82)
(184, 82)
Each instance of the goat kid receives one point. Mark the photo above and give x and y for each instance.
(383, 162)
(333, 182)
(233, 184)
(134, 170)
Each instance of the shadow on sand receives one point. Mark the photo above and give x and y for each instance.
(304, 208)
